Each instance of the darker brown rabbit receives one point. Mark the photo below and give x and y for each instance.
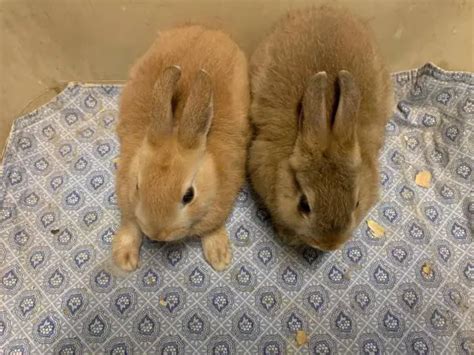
(321, 99)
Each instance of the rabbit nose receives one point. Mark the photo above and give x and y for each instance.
(145, 230)
(329, 243)
(325, 247)
(164, 235)
(150, 233)
(330, 247)
(160, 236)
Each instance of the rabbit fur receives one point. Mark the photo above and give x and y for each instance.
(321, 97)
(183, 131)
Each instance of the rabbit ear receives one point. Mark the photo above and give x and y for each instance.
(197, 113)
(313, 121)
(163, 90)
(346, 115)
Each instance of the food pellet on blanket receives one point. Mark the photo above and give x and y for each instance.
(54, 231)
(163, 302)
(301, 337)
(377, 230)
(423, 179)
(426, 268)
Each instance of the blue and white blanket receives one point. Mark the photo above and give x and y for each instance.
(410, 291)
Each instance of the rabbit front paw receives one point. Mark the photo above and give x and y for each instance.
(126, 249)
(216, 249)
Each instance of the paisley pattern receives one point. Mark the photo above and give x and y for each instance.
(407, 292)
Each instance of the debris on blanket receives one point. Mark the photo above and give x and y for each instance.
(427, 269)
(347, 275)
(423, 179)
(163, 302)
(301, 338)
(377, 230)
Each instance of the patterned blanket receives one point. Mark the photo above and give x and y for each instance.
(407, 291)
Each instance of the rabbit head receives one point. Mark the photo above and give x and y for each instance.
(318, 192)
(175, 178)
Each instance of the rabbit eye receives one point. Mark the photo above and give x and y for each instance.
(357, 204)
(136, 186)
(188, 196)
(303, 205)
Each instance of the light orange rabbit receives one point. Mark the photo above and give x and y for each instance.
(321, 99)
(183, 133)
